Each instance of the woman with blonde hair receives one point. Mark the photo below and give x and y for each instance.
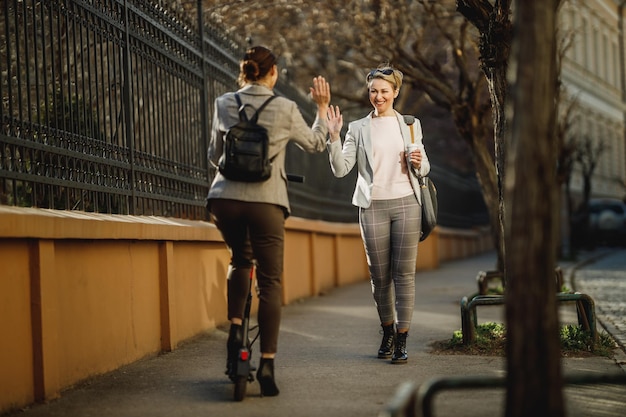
(388, 197)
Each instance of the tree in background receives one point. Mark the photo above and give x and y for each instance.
(566, 146)
(493, 22)
(565, 167)
(587, 155)
(573, 149)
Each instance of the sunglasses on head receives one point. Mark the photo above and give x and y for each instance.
(387, 71)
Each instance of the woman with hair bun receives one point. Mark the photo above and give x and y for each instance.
(251, 215)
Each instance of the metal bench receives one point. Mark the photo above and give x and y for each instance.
(585, 308)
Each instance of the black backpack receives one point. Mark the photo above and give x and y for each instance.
(246, 148)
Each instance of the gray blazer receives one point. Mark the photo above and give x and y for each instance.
(357, 149)
(284, 122)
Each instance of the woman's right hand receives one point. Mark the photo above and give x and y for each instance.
(320, 92)
(335, 122)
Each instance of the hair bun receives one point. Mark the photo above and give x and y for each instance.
(256, 64)
(251, 69)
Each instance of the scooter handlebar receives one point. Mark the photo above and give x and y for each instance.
(295, 178)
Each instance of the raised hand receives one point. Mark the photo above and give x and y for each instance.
(335, 122)
(320, 92)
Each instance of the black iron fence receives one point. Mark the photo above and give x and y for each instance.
(107, 104)
(101, 107)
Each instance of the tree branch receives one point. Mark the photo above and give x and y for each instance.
(476, 11)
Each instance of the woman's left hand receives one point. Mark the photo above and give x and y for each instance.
(416, 158)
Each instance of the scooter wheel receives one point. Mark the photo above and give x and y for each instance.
(241, 383)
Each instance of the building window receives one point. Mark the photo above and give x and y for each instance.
(586, 42)
(615, 66)
(606, 60)
(570, 32)
(597, 63)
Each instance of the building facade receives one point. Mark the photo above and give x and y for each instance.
(593, 75)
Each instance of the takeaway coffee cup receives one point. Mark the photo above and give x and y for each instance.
(409, 149)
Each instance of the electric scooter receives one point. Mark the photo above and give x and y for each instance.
(244, 370)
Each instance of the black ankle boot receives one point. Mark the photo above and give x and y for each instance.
(235, 338)
(265, 376)
(399, 353)
(386, 346)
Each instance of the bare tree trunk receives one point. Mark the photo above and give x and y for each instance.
(489, 183)
(473, 130)
(498, 91)
(534, 380)
(494, 24)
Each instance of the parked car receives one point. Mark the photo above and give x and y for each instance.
(607, 221)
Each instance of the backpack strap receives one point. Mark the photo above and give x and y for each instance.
(242, 107)
(242, 114)
(256, 115)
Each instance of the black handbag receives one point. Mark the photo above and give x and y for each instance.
(429, 206)
(428, 193)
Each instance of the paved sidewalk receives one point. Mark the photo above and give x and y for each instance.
(327, 364)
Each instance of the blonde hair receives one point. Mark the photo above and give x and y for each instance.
(386, 73)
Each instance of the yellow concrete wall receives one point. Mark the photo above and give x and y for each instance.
(458, 244)
(16, 351)
(350, 264)
(428, 252)
(82, 294)
(100, 308)
(197, 288)
(297, 273)
(324, 249)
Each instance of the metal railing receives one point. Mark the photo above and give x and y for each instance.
(411, 399)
